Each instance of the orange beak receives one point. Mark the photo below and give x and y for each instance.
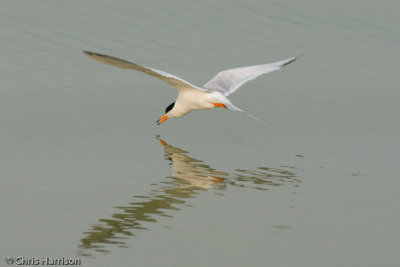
(162, 119)
(163, 143)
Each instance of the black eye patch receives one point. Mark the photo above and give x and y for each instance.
(169, 107)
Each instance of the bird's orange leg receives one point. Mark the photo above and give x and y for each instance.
(219, 105)
(218, 179)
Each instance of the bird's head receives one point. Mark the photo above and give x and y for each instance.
(165, 116)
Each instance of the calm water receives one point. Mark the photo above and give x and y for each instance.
(86, 173)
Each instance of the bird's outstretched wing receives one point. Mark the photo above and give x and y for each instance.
(226, 82)
(171, 79)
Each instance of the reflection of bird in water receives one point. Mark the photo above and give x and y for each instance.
(191, 171)
(211, 95)
(190, 177)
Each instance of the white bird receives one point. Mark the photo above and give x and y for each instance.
(190, 97)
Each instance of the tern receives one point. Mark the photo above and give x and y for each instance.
(190, 97)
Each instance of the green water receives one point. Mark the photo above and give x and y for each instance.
(86, 173)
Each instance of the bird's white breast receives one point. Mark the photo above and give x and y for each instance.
(189, 100)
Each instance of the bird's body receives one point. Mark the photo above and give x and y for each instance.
(190, 100)
(213, 94)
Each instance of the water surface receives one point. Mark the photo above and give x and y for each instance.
(83, 176)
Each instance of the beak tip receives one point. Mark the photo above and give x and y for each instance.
(162, 119)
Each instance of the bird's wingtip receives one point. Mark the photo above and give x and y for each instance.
(88, 52)
(291, 60)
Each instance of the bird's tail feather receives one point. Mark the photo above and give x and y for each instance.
(219, 97)
(254, 117)
(233, 107)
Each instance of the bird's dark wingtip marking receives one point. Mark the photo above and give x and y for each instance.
(293, 60)
(93, 53)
